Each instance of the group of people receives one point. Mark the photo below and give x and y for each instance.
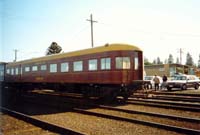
(157, 82)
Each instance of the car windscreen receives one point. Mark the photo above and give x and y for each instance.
(180, 78)
(148, 78)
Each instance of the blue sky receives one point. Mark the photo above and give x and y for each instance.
(159, 27)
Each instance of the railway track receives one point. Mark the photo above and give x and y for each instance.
(172, 105)
(168, 96)
(86, 110)
(39, 123)
(143, 122)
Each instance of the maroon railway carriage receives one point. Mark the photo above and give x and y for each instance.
(110, 70)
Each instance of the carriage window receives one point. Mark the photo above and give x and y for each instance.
(43, 67)
(1, 73)
(16, 71)
(12, 71)
(136, 63)
(92, 64)
(34, 68)
(27, 69)
(53, 68)
(122, 63)
(8, 71)
(78, 66)
(65, 67)
(105, 63)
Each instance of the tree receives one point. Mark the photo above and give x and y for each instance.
(199, 62)
(189, 60)
(170, 59)
(146, 61)
(154, 61)
(159, 61)
(53, 49)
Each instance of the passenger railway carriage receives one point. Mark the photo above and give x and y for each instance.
(107, 71)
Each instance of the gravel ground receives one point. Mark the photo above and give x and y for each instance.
(149, 118)
(100, 126)
(12, 126)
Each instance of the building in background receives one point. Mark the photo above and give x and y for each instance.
(169, 69)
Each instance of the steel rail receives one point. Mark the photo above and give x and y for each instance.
(42, 124)
(162, 97)
(196, 120)
(165, 102)
(147, 123)
(175, 94)
(164, 106)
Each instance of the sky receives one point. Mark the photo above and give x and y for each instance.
(158, 27)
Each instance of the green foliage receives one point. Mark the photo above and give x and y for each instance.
(170, 59)
(53, 49)
(189, 60)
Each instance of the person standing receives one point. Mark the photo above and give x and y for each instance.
(156, 82)
(164, 78)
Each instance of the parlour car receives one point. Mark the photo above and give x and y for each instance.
(105, 71)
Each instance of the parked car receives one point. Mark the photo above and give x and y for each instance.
(150, 78)
(183, 82)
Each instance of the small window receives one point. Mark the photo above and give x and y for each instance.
(16, 71)
(27, 69)
(53, 68)
(122, 62)
(92, 64)
(34, 68)
(78, 66)
(8, 71)
(65, 67)
(105, 63)
(43, 67)
(12, 71)
(136, 61)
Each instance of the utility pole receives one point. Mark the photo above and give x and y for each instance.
(181, 51)
(15, 50)
(91, 22)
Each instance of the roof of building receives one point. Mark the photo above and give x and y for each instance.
(105, 48)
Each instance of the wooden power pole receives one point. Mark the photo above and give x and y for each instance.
(91, 22)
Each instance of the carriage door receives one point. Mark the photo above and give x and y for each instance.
(138, 67)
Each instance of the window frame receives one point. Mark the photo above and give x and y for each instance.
(64, 67)
(53, 68)
(121, 63)
(42, 67)
(91, 64)
(75, 65)
(34, 68)
(104, 65)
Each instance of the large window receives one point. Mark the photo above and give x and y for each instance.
(122, 62)
(8, 71)
(27, 69)
(65, 67)
(78, 66)
(92, 64)
(16, 71)
(53, 68)
(105, 63)
(12, 71)
(34, 68)
(43, 67)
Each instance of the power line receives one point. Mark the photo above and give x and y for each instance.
(91, 22)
